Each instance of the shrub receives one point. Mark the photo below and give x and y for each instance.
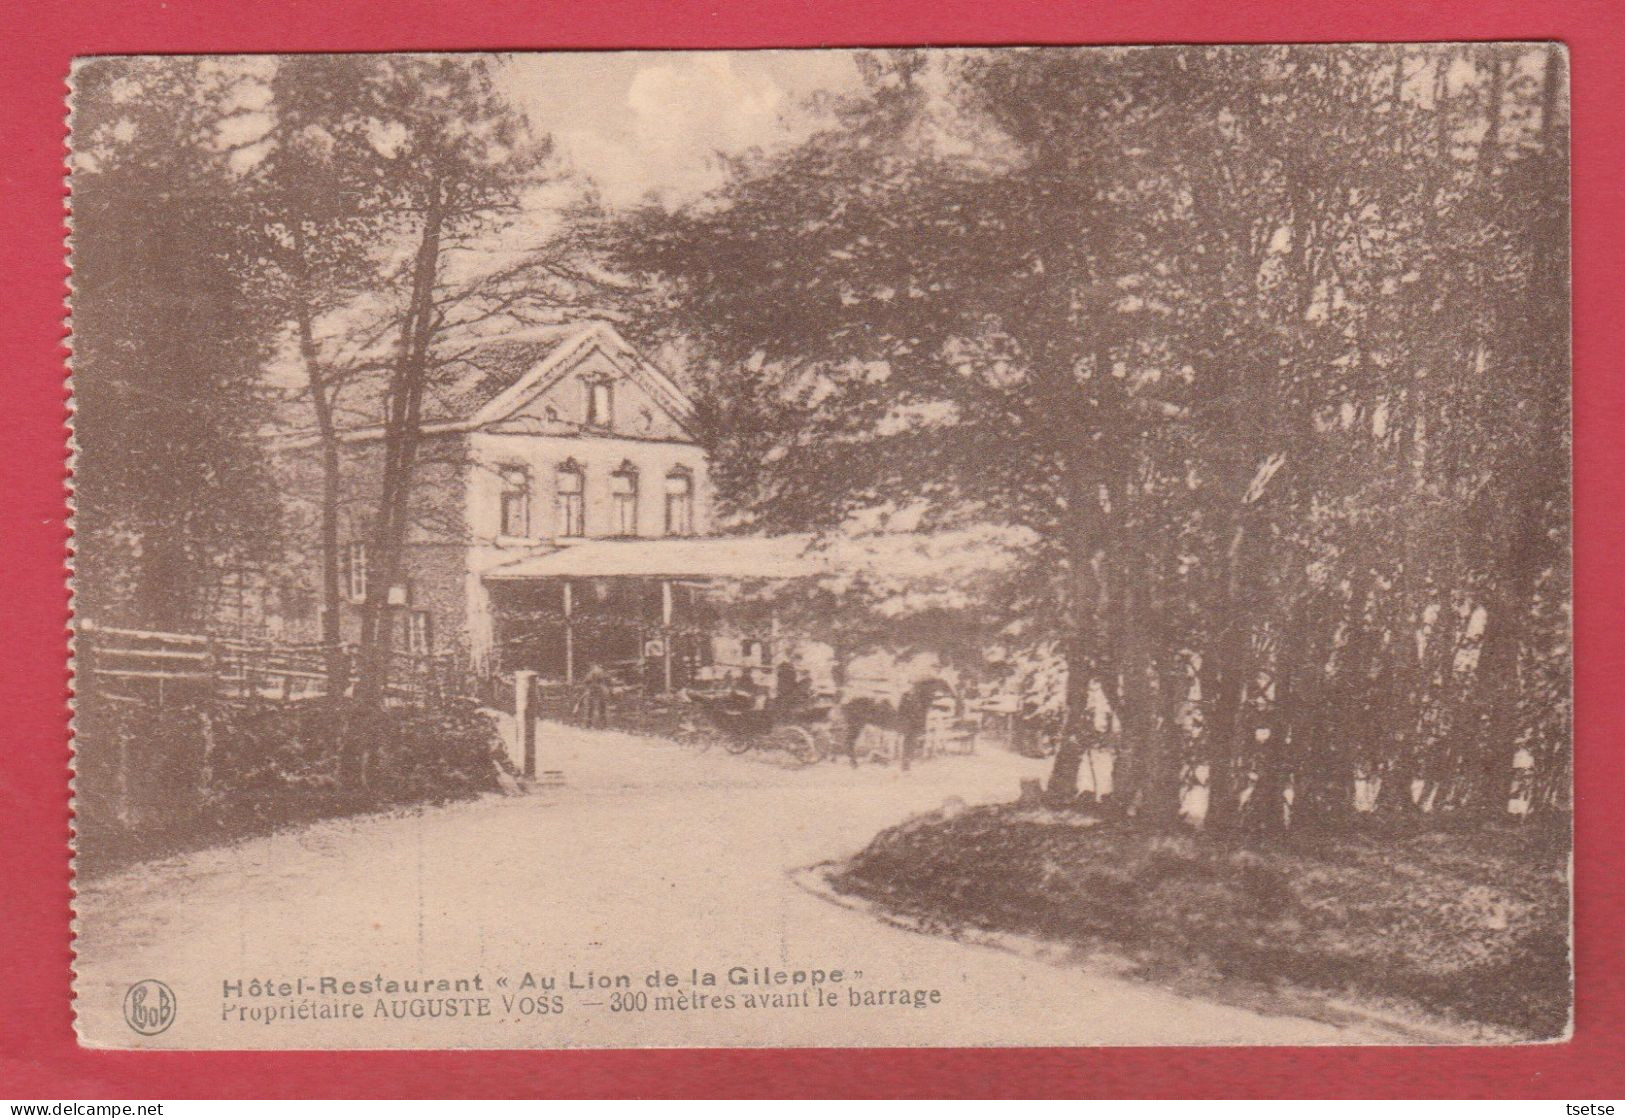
(1466, 922)
(1264, 884)
(210, 772)
(1169, 857)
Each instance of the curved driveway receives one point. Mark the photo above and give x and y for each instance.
(651, 857)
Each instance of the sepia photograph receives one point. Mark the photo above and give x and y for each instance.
(999, 546)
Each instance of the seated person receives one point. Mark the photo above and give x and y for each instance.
(789, 691)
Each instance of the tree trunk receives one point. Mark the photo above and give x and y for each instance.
(337, 665)
(1512, 600)
(1153, 791)
(1077, 730)
(163, 593)
(1269, 810)
(1222, 725)
(402, 433)
(1082, 667)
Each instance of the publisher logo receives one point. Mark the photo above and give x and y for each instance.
(149, 1007)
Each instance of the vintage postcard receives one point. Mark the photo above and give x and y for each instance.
(1059, 546)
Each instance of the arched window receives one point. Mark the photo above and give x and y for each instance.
(680, 502)
(355, 573)
(515, 501)
(419, 633)
(572, 484)
(623, 488)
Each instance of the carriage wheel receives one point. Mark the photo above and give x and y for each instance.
(798, 742)
(876, 745)
(736, 744)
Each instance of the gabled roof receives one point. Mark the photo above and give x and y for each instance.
(569, 351)
(498, 376)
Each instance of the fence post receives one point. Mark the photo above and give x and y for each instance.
(121, 782)
(665, 633)
(569, 635)
(205, 776)
(524, 717)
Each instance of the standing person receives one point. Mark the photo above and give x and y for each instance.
(913, 713)
(597, 697)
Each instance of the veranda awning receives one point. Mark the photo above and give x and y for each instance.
(702, 557)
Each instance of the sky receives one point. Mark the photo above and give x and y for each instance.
(645, 125)
(649, 124)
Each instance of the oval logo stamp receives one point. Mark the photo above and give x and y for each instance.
(149, 1007)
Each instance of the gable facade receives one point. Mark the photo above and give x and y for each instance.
(593, 449)
(591, 442)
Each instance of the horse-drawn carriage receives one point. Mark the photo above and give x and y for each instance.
(749, 721)
(924, 720)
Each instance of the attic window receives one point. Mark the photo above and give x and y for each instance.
(600, 403)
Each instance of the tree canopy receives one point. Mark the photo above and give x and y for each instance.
(1253, 341)
(168, 343)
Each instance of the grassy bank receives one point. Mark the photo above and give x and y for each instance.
(1471, 925)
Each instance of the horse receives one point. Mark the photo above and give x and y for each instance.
(907, 718)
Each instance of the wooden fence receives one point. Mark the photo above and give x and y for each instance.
(179, 667)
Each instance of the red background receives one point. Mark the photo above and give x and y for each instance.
(38, 1054)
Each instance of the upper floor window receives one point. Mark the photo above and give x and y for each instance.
(623, 488)
(600, 403)
(572, 506)
(355, 560)
(419, 634)
(515, 501)
(680, 502)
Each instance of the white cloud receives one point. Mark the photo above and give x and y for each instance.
(651, 124)
(682, 113)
